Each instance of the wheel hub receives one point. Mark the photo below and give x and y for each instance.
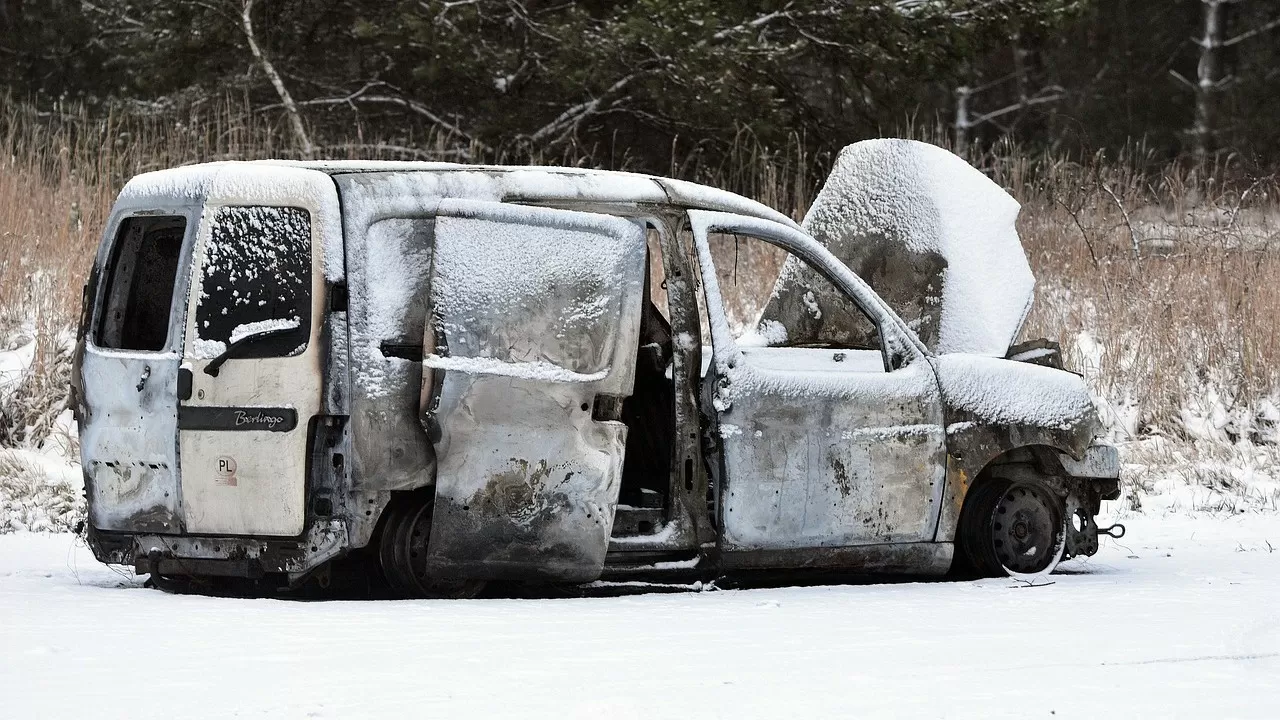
(1025, 529)
(404, 556)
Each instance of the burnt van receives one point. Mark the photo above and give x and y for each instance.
(450, 374)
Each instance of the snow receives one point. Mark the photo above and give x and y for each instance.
(893, 209)
(249, 184)
(814, 360)
(262, 326)
(767, 333)
(14, 364)
(1176, 620)
(533, 286)
(535, 370)
(202, 349)
(1010, 392)
(42, 488)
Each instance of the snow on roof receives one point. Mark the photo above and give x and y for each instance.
(933, 236)
(508, 182)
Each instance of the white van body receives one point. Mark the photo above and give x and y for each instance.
(435, 370)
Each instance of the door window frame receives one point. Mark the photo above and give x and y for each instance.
(899, 346)
(174, 338)
(307, 321)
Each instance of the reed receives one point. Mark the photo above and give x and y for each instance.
(1156, 278)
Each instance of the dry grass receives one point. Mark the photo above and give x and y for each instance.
(1189, 319)
(1170, 278)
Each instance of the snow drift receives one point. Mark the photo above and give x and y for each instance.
(933, 236)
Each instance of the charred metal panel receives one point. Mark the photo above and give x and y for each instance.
(996, 406)
(837, 461)
(1099, 461)
(389, 225)
(528, 482)
(907, 558)
(322, 541)
(535, 312)
(826, 454)
(128, 442)
(128, 402)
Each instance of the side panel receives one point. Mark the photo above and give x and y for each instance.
(527, 483)
(128, 442)
(851, 458)
(389, 225)
(535, 313)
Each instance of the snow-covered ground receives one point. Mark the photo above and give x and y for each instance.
(1179, 619)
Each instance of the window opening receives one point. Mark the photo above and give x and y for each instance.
(754, 277)
(141, 275)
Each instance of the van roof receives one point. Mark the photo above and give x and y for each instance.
(508, 182)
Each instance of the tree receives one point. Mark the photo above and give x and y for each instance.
(1212, 76)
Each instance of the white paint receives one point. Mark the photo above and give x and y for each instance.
(268, 495)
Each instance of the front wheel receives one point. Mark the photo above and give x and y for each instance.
(1016, 529)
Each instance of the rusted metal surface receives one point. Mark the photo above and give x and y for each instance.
(861, 462)
(128, 405)
(527, 478)
(902, 558)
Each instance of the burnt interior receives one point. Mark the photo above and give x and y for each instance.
(649, 413)
(140, 278)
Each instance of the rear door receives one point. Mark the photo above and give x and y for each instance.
(535, 318)
(129, 368)
(243, 422)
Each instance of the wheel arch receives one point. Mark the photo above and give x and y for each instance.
(974, 450)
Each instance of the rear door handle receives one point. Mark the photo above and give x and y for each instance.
(184, 383)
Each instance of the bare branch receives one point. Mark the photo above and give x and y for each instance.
(84, 4)
(1054, 94)
(1256, 31)
(361, 96)
(753, 24)
(573, 117)
(1182, 79)
(291, 109)
(1133, 236)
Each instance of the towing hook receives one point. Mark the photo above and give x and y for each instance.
(1115, 531)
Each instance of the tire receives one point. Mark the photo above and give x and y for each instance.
(1013, 529)
(402, 554)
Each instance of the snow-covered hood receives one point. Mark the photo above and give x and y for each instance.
(998, 392)
(932, 235)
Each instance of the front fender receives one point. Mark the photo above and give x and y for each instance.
(996, 406)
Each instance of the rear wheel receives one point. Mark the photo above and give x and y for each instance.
(1016, 529)
(403, 554)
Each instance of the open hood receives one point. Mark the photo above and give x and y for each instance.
(932, 235)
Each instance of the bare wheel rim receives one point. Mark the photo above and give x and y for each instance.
(1026, 530)
(417, 531)
(391, 553)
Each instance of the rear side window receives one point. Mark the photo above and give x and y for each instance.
(256, 276)
(139, 282)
